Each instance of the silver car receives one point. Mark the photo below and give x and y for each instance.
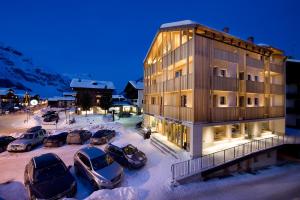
(98, 167)
(33, 137)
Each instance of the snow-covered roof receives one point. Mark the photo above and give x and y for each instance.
(139, 85)
(69, 93)
(121, 103)
(293, 60)
(4, 91)
(118, 96)
(61, 99)
(178, 23)
(94, 84)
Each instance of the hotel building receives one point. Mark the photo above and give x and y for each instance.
(204, 87)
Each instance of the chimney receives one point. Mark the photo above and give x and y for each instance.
(250, 39)
(226, 29)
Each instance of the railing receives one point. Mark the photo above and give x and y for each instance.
(277, 111)
(276, 68)
(254, 86)
(252, 62)
(255, 112)
(276, 89)
(195, 166)
(186, 113)
(152, 109)
(224, 113)
(224, 83)
(171, 111)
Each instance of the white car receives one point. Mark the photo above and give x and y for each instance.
(33, 137)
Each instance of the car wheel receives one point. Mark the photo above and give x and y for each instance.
(28, 147)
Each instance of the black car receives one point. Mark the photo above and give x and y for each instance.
(47, 177)
(102, 136)
(56, 140)
(51, 118)
(4, 141)
(126, 155)
(48, 113)
(78, 136)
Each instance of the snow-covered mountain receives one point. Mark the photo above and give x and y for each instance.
(19, 72)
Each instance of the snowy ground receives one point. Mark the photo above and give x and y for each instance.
(152, 182)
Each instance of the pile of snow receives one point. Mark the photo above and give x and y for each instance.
(178, 23)
(121, 193)
(12, 190)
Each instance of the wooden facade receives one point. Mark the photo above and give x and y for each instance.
(191, 70)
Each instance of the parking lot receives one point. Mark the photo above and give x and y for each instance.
(144, 180)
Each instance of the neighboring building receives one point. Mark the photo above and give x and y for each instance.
(61, 102)
(293, 93)
(134, 92)
(8, 98)
(69, 94)
(94, 90)
(204, 87)
(121, 104)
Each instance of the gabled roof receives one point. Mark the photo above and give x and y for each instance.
(293, 60)
(118, 96)
(69, 93)
(61, 99)
(139, 85)
(178, 24)
(4, 91)
(94, 84)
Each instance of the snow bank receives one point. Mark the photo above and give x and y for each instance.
(8, 190)
(126, 193)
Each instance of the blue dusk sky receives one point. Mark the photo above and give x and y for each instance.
(109, 39)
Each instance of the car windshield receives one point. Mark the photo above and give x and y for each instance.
(27, 136)
(130, 150)
(101, 161)
(49, 172)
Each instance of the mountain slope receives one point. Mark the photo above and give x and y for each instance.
(19, 72)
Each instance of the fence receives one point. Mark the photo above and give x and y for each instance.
(192, 167)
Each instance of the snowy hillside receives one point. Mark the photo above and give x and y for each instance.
(18, 71)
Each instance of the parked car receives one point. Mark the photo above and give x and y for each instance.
(126, 154)
(56, 140)
(78, 136)
(98, 168)
(102, 136)
(51, 118)
(33, 137)
(47, 177)
(50, 112)
(4, 141)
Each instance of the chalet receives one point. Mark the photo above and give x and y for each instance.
(205, 88)
(61, 102)
(292, 93)
(121, 104)
(134, 92)
(92, 96)
(8, 98)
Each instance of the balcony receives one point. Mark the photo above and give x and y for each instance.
(277, 111)
(186, 114)
(254, 87)
(276, 89)
(224, 83)
(179, 83)
(252, 62)
(224, 113)
(171, 111)
(152, 109)
(255, 113)
(276, 68)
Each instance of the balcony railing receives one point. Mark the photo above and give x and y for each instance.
(186, 114)
(224, 83)
(276, 68)
(254, 87)
(171, 111)
(224, 113)
(255, 112)
(153, 109)
(277, 111)
(179, 83)
(276, 89)
(252, 62)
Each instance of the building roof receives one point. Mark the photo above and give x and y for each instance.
(61, 99)
(178, 23)
(93, 84)
(4, 91)
(118, 96)
(121, 103)
(69, 93)
(293, 60)
(139, 85)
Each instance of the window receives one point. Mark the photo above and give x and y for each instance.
(222, 100)
(222, 72)
(256, 78)
(183, 101)
(241, 101)
(249, 101)
(241, 75)
(256, 101)
(84, 160)
(152, 100)
(178, 73)
(249, 77)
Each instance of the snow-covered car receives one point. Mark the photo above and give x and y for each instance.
(50, 112)
(47, 177)
(33, 137)
(78, 136)
(56, 140)
(126, 154)
(102, 136)
(51, 118)
(4, 142)
(98, 168)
